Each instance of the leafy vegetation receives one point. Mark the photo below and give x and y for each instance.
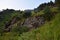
(57, 3)
(20, 30)
(48, 13)
(13, 23)
(49, 31)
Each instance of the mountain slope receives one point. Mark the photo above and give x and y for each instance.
(49, 31)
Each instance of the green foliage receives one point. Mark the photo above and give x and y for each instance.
(37, 14)
(1, 30)
(19, 29)
(27, 14)
(5, 16)
(58, 3)
(47, 14)
(49, 31)
(9, 36)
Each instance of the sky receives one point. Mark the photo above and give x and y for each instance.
(21, 4)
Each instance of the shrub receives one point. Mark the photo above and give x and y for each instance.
(19, 29)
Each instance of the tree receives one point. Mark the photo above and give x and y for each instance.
(47, 14)
(51, 3)
(27, 14)
(58, 3)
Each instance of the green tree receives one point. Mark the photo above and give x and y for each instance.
(47, 14)
(27, 14)
(58, 3)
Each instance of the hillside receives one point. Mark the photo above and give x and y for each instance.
(41, 23)
(49, 31)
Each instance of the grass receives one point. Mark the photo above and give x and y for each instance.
(9, 36)
(49, 31)
(37, 14)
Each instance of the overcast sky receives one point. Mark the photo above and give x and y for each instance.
(21, 4)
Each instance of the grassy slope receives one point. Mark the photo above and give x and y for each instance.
(49, 31)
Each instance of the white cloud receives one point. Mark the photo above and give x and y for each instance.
(19, 4)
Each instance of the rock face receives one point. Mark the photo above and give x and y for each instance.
(31, 22)
(34, 22)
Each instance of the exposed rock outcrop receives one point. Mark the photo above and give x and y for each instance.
(34, 22)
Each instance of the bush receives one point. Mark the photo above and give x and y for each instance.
(19, 29)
